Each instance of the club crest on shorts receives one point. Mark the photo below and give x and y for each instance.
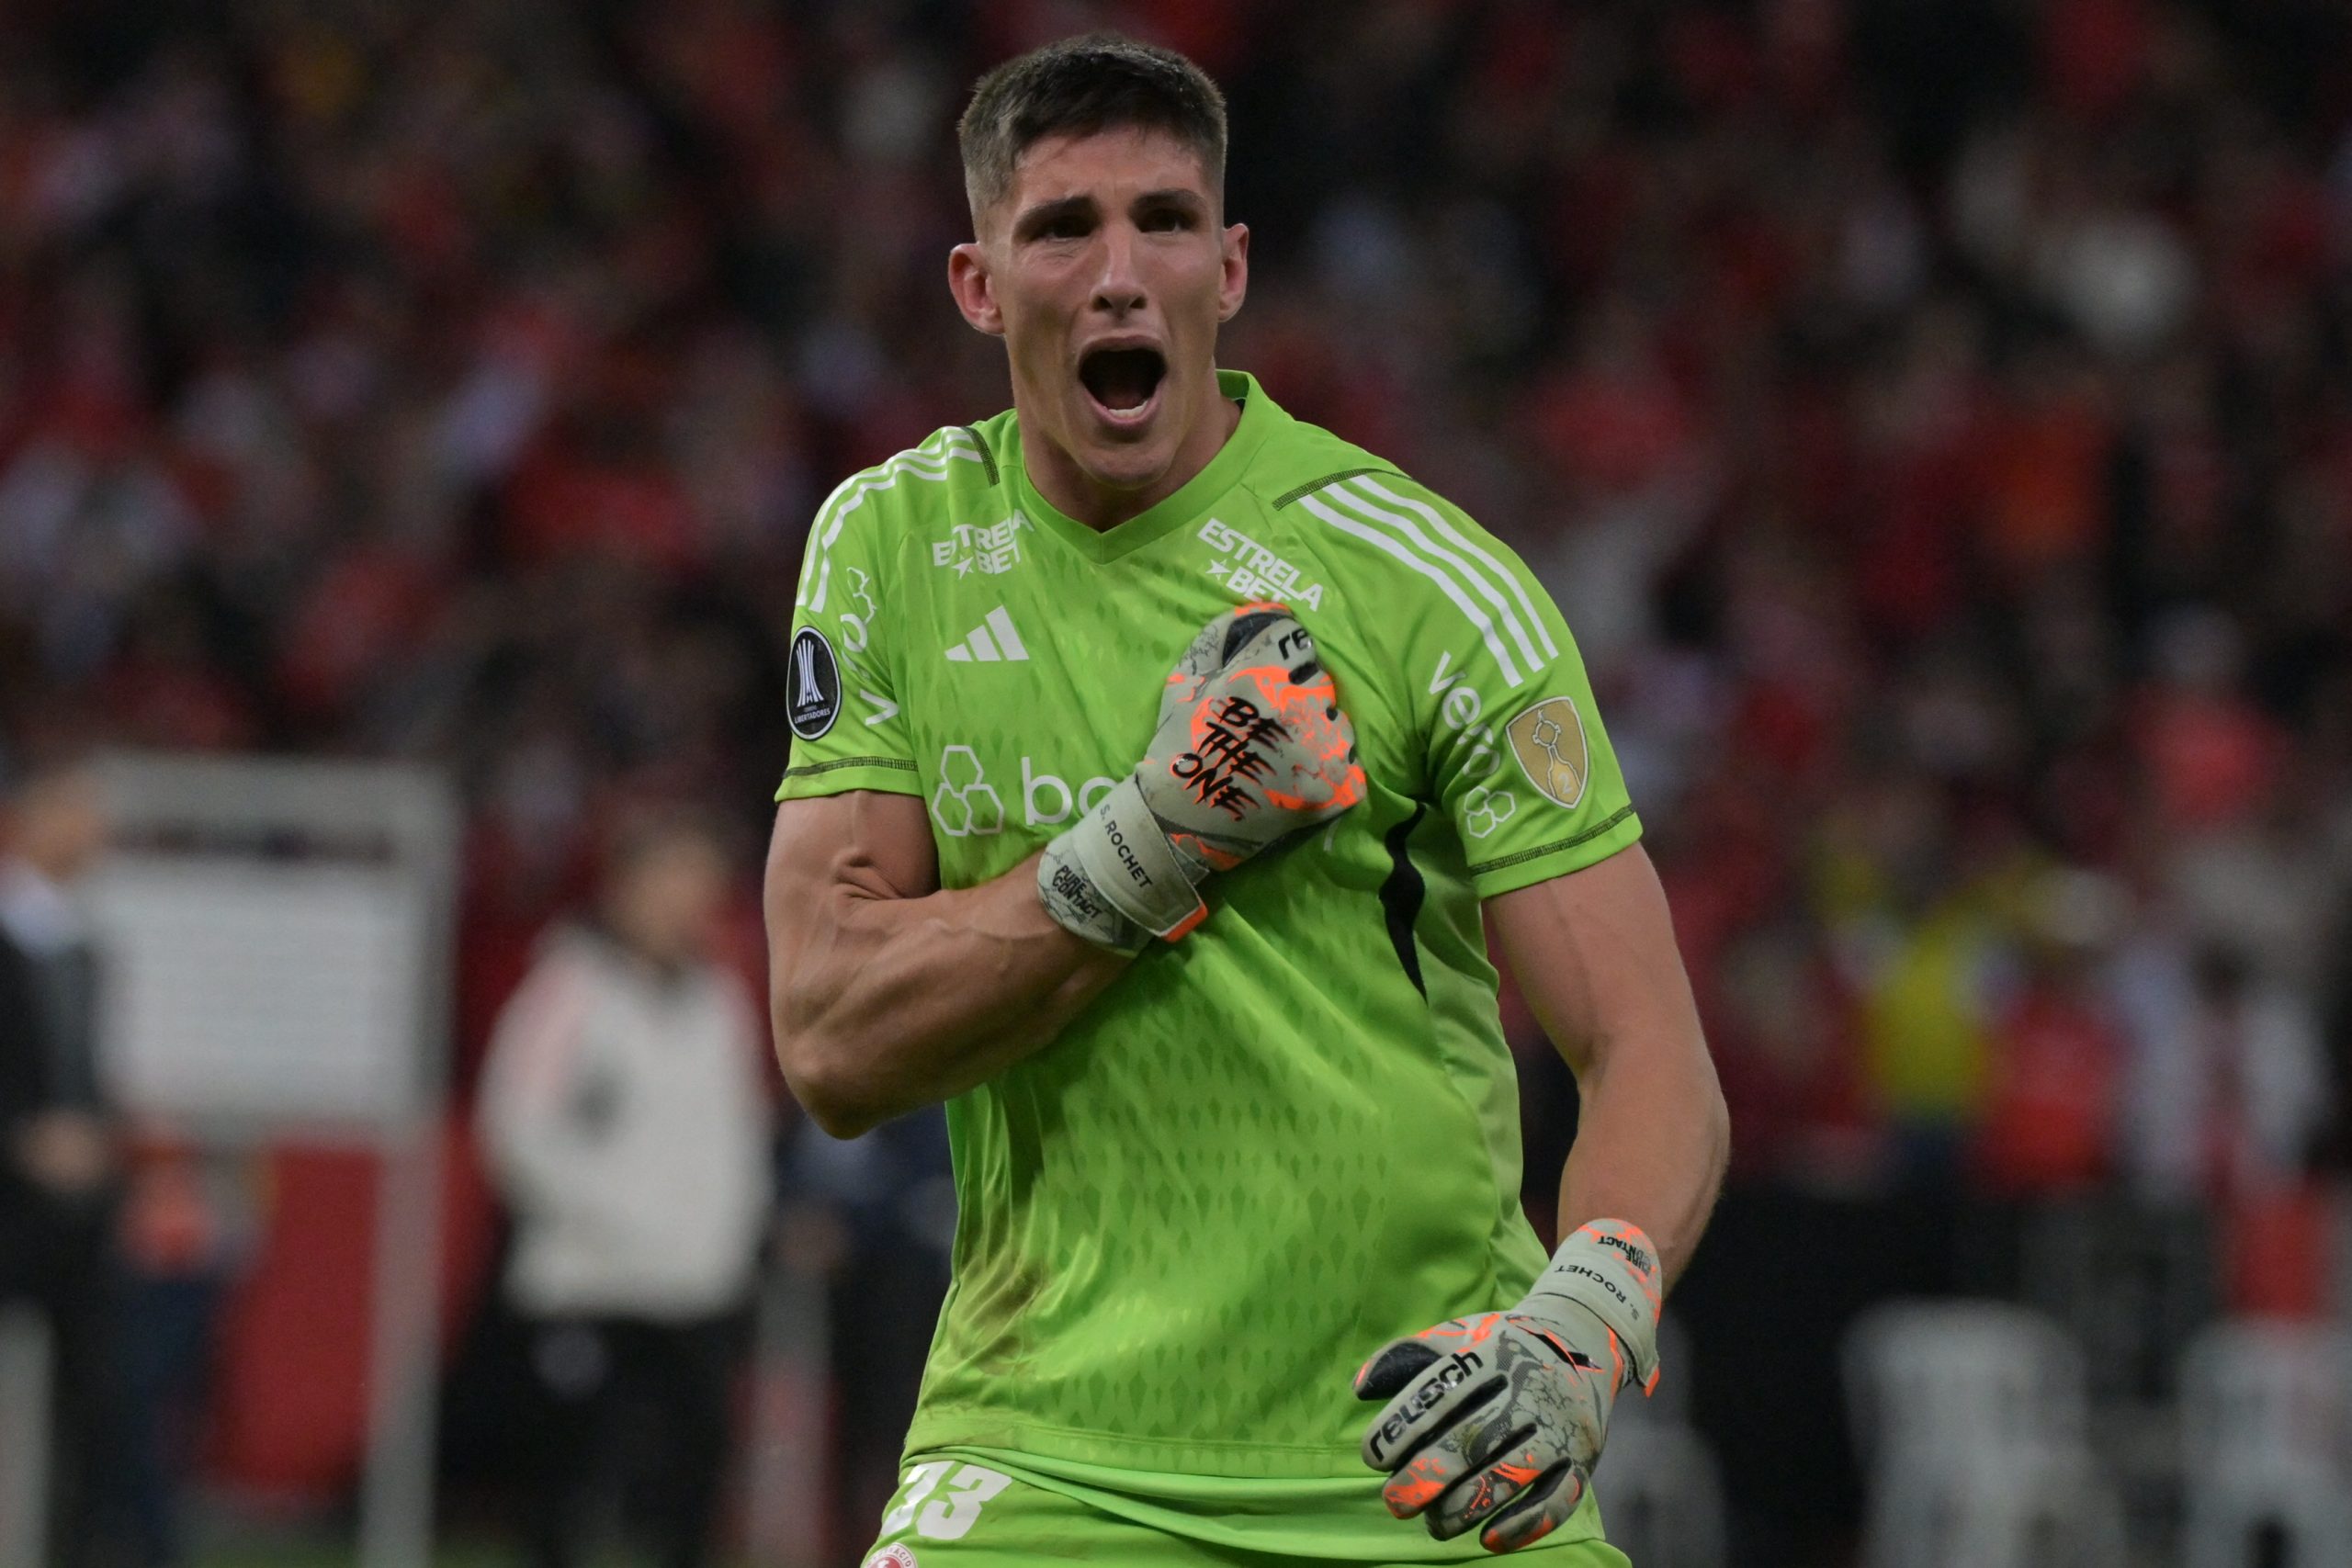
(898, 1556)
(1548, 740)
(813, 685)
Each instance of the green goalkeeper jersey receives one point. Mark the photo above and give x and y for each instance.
(1270, 1147)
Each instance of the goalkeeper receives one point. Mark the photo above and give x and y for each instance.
(1158, 757)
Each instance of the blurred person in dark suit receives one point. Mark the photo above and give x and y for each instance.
(60, 1168)
(626, 1125)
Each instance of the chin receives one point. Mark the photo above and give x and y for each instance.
(1126, 468)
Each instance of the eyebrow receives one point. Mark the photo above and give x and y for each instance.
(1174, 196)
(1031, 220)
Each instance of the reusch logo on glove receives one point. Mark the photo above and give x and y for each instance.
(1450, 1373)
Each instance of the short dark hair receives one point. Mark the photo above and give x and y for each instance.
(1076, 87)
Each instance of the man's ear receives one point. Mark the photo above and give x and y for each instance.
(967, 279)
(1233, 282)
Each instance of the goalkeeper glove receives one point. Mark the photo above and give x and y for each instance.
(1251, 745)
(1494, 1422)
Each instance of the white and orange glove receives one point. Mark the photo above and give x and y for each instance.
(1252, 748)
(1494, 1422)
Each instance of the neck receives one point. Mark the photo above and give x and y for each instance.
(1078, 496)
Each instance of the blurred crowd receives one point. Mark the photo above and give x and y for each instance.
(1934, 418)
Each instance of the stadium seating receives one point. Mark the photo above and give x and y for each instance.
(1661, 1490)
(1662, 1496)
(2267, 1431)
(1972, 1417)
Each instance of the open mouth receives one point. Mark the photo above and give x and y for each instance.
(1124, 382)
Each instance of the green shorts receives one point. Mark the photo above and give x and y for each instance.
(988, 1508)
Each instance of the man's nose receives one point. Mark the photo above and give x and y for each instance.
(1119, 287)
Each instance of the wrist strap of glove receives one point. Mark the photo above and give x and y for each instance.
(1611, 1270)
(1113, 879)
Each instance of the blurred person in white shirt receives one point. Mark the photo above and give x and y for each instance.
(626, 1123)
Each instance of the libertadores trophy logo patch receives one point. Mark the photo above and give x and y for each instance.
(813, 686)
(898, 1556)
(1548, 741)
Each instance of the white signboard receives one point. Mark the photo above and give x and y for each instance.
(274, 940)
(242, 989)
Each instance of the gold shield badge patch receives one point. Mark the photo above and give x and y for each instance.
(1548, 741)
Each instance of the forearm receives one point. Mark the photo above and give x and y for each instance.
(1595, 953)
(891, 1002)
(1652, 1142)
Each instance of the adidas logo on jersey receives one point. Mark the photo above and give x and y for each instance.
(991, 642)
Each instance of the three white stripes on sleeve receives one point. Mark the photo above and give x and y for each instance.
(1354, 506)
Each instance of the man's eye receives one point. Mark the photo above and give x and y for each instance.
(1170, 219)
(1063, 228)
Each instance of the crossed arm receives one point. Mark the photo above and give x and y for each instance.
(887, 993)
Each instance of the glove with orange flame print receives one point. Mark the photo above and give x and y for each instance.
(1252, 748)
(1494, 1422)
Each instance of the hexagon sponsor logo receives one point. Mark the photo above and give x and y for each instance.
(1549, 741)
(1483, 810)
(965, 805)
